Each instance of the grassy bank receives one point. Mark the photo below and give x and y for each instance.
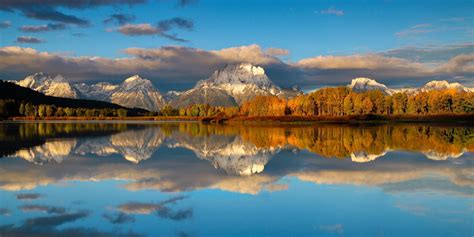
(134, 118)
(448, 118)
(465, 118)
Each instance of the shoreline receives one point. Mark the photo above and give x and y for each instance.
(353, 119)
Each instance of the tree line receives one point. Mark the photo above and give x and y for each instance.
(10, 108)
(334, 101)
(329, 140)
(342, 101)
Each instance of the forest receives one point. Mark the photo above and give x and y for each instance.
(337, 102)
(336, 141)
(341, 101)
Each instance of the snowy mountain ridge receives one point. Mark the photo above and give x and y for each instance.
(233, 85)
(362, 84)
(132, 92)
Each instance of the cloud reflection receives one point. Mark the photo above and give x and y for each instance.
(28, 196)
(119, 218)
(51, 221)
(43, 208)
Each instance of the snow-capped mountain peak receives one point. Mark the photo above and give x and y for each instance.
(255, 70)
(232, 85)
(364, 84)
(138, 92)
(444, 85)
(135, 83)
(133, 78)
(134, 91)
(44, 83)
(239, 74)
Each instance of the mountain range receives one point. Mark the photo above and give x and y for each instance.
(361, 84)
(229, 86)
(132, 92)
(231, 153)
(12, 91)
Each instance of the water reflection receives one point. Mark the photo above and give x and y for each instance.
(183, 159)
(238, 151)
(230, 147)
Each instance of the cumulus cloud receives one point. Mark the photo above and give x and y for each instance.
(431, 53)
(138, 29)
(28, 40)
(46, 13)
(42, 28)
(415, 30)
(162, 29)
(177, 67)
(176, 22)
(119, 19)
(5, 24)
(366, 61)
(277, 51)
(332, 11)
(463, 63)
(47, 10)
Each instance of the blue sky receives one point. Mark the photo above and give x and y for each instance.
(305, 29)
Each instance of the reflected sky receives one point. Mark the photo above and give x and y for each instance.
(190, 179)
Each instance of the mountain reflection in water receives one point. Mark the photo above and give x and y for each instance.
(243, 159)
(227, 145)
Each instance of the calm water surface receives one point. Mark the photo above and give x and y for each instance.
(189, 179)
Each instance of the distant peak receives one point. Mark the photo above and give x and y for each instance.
(442, 82)
(39, 75)
(133, 78)
(59, 78)
(365, 82)
(441, 85)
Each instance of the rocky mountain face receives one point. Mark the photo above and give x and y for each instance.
(133, 92)
(361, 84)
(233, 85)
(48, 85)
(136, 91)
(230, 86)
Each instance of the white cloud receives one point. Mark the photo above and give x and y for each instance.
(332, 11)
(177, 65)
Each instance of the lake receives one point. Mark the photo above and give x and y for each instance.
(192, 179)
